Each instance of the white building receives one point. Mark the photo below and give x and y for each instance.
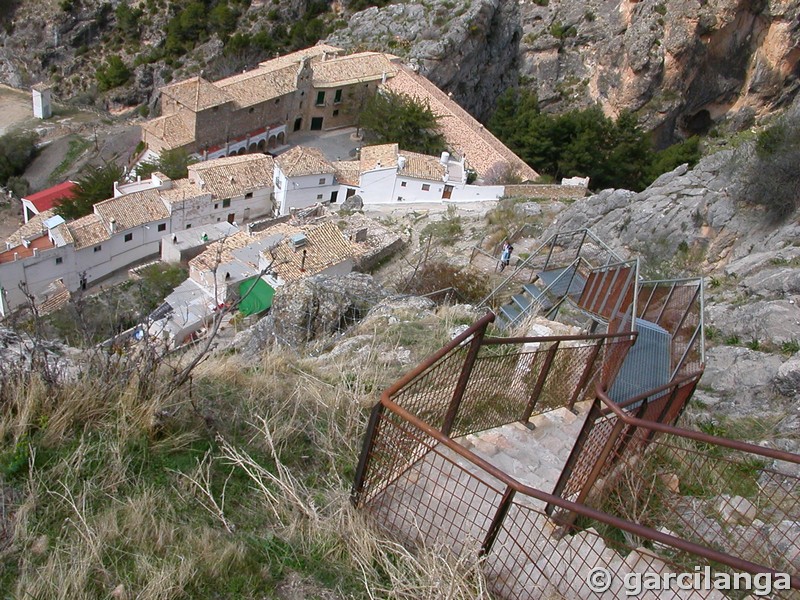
(41, 101)
(129, 228)
(383, 175)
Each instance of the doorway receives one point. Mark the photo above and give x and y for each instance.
(231, 217)
(448, 191)
(334, 196)
(298, 123)
(316, 123)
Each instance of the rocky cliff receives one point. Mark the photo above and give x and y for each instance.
(683, 65)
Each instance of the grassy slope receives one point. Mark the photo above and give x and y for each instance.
(233, 486)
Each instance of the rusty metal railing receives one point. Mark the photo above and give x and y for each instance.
(454, 499)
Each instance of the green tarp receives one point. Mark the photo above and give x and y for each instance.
(256, 300)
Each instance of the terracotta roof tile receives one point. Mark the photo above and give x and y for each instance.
(461, 131)
(196, 93)
(131, 210)
(353, 68)
(47, 199)
(422, 166)
(381, 156)
(326, 246)
(30, 229)
(171, 130)
(56, 296)
(348, 172)
(233, 176)
(300, 161)
(260, 85)
(88, 231)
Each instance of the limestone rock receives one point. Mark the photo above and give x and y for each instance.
(736, 509)
(787, 380)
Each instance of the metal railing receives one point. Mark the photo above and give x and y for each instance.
(558, 247)
(448, 497)
(422, 485)
(677, 305)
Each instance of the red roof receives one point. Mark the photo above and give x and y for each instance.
(47, 199)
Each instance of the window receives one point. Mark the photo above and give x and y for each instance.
(336, 113)
(425, 187)
(188, 226)
(277, 100)
(403, 183)
(59, 260)
(337, 97)
(162, 226)
(320, 98)
(97, 249)
(248, 195)
(278, 183)
(216, 206)
(322, 181)
(226, 203)
(252, 108)
(128, 237)
(319, 196)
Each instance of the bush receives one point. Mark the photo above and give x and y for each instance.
(771, 178)
(390, 117)
(113, 74)
(17, 151)
(463, 285)
(96, 183)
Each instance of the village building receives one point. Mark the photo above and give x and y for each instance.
(131, 227)
(47, 199)
(250, 267)
(316, 89)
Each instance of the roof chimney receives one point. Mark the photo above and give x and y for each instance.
(113, 224)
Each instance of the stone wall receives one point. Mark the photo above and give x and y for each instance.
(548, 191)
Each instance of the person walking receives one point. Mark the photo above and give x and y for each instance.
(505, 255)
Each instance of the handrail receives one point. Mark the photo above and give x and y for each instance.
(432, 359)
(497, 341)
(526, 311)
(688, 433)
(673, 383)
(734, 562)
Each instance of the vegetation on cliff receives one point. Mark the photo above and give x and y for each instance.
(612, 153)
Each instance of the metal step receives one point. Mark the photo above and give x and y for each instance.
(565, 281)
(509, 312)
(535, 292)
(522, 300)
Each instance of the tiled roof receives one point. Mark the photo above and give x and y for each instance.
(88, 231)
(47, 199)
(293, 58)
(56, 296)
(348, 172)
(181, 189)
(221, 252)
(132, 210)
(196, 93)
(382, 156)
(461, 131)
(364, 66)
(171, 130)
(30, 229)
(301, 160)
(325, 247)
(233, 176)
(260, 85)
(422, 166)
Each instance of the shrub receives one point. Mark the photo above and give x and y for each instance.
(17, 151)
(770, 176)
(391, 117)
(96, 183)
(113, 74)
(466, 285)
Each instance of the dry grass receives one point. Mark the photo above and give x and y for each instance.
(229, 487)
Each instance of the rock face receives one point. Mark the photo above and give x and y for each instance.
(310, 309)
(683, 65)
(466, 48)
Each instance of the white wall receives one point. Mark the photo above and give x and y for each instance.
(476, 192)
(377, 187)
(37, 272)
(300, 192)
(203, 210)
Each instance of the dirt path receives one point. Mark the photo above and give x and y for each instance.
(17, 108)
